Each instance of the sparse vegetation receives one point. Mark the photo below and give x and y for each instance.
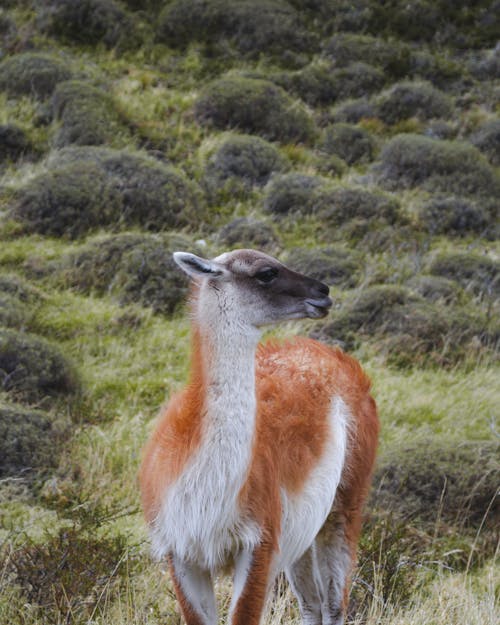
(355, 140)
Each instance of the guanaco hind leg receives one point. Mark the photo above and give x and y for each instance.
(319, 578)
(194, 590)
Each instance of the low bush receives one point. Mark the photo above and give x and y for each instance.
(246, 159)
(487, 139)
(337, 205)
(85, 188)
(479, 274)
(86, 22)
(357, 80)
(253, 106)
(332, 265)
(446, 166)
(354, 111)
(13, 285)
(351, 143)
(252, 27)
(247, 232)
(485, 64)
(291, 193)
(412, 99)
(32, 368)
(132, 268)
(436, 289)
(13, 313)
(28, 441)
(86, 114)
(32, 74)
(453, 215)
(14, 143)
(409, 331)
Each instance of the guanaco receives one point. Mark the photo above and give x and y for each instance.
(263, 462)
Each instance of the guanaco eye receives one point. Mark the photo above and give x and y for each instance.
(266, 275)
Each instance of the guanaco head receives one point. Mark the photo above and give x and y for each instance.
(255, 287)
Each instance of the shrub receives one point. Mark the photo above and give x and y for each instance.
(354, 111)
(131, 268)
(352, 143)
(447, 166)
(485, 65)
(480, 274)
(436, 289)
(102, 187)
(250, 160)
(431, 478)
(333, 265)
(14, 143)
(487, 139)
(31, 368)
(392, 57)
(357, 80)
(291, 193)
(15, 286)
(412, 99)
(453, 215)
(253, 27)
(408, 331)
(32, 74)
(86, 114)
(86, 22)
(13, 314)
(337, 205)
(247, 232)
(28, 440)
(254, 106)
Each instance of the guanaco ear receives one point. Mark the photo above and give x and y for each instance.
(197, 267)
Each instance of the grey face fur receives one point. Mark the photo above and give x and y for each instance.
(259, 287)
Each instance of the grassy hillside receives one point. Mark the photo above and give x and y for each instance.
(358, 142)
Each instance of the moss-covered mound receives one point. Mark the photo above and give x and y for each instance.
(254, 106)
(32, 74)
(243, 159)
(131, 268)
(85, 188)
(28, 440)
(86, 22)
(291, 193)
(251, 26)
(453, 215)
(86, 114)
(487, 139)
(479, 274)
(412, 99)
(409, 331)
(351, 143)
(32, 368)
(332, 265)
(432, 479)
(449, 166)
(248, 232)
(14, 143)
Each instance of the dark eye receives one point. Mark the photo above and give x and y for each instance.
(266, 275)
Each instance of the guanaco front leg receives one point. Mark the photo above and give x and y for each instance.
(194, 590)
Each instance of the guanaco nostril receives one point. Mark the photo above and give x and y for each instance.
(323, 289)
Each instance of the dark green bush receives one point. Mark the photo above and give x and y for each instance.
(28, 440)
(14, 143)
(479, 274)
(254, 106)
(86, 114)
(337, 205)
(32, 74)
(412, 99)
(89, 187)
(251, 26)
(485, 65)
(86, 22)
(13, 313)
(354, 111)
(487, 139)
(31, 368)
(447, 166)
(436, 289)
(394, 58)
(352, 143)
(246, 159)
(131, 268)
(291, 193)
(432, 478)
(248, 232)
(409, 331)
(453, 215)
(333, 265)
(10, 284)
(357, 80)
